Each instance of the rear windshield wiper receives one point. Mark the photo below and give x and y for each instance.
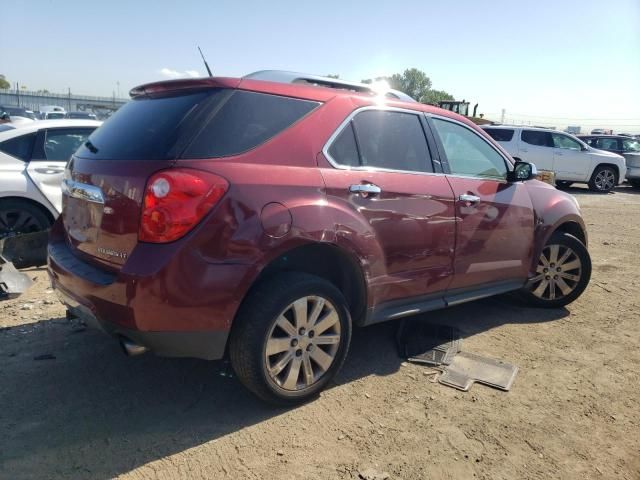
(92, 148)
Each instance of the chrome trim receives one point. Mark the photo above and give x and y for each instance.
(365, 188)
(90, 193)
(346, 121)
(465, 197)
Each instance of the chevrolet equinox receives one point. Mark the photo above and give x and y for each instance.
(262, 218)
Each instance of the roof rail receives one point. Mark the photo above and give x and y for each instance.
(283, 76)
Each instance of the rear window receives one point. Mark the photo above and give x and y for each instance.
(204, 124)
(537, 137)
(500, 134)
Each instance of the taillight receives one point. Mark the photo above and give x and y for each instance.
(176, 200)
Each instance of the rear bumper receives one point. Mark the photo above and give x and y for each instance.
(176, 305)
(208, 345)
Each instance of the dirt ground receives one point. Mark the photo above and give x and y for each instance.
(73, 406)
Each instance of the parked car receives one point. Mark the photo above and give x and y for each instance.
(54, 115)
(601, 131)
(32, 162)
(572, 160)
(264, 219)
(81, 115)
(17, 115)
(624, 145)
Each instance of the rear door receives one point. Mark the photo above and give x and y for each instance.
(379, 172)
(53, 149)
(536, 146)
(495, 218)
(570, 162)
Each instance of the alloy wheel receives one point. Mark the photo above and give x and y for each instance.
(302, 343)
(558, 273)
(605, 180)
(14, 222)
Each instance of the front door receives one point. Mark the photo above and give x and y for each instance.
(52, 151)
(570, 162)
(398, 214)
(495, 220)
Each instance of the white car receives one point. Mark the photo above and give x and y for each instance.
(572, 160)
(32, 162)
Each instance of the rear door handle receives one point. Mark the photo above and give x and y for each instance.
(365, 189)
(470, 199)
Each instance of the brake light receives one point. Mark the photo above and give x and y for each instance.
(176, 200)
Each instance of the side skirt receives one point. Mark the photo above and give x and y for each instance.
(413, 306)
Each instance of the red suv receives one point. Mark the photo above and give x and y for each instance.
(263, 219)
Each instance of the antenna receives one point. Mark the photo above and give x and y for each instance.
(205, 63)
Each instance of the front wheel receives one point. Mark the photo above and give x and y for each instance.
(290, 338)
(562, 273)
(604, 179)
(562, 184)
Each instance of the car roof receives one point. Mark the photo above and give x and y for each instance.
(306, 90)
(520, 127)
(25, 128)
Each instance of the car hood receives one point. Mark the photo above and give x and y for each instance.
(604, 153)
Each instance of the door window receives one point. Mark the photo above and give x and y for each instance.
(500, 134)
(383, 139)
(607, 143)
(563, 141)
(61, 143)
(19, 147)
(468, 153)
(539, 138)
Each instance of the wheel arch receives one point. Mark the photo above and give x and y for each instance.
(325, 260)
(605, 164)
(43, 208)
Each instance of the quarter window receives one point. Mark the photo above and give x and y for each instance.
(539, 138)
(468, 153)
(383, 139)
(563, 141)
(19, 147)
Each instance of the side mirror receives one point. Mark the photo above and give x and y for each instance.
(4, 116)
(522, 171)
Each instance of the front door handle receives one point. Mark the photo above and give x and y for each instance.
(49, 170)
(365, 189)
(469, 199)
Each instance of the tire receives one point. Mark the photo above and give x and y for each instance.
(20, 216)
(604, 179)
(281, 378)
(562, 184)
(574, 271)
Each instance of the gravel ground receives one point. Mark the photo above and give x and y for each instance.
(72, 406)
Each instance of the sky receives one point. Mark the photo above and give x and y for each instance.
(544, 62)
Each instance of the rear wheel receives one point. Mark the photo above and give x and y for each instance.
(562, 184)
(604, 179)
(290, 338)
(19, 216)
(562, 273)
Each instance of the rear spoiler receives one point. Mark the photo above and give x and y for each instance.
(184, 84)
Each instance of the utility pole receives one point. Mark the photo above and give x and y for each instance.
(502, 117)
(118, 84)
(18, 92)
(69, 98)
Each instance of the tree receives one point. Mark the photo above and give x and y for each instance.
(333, 75)
(4, 84)
(416, 84)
